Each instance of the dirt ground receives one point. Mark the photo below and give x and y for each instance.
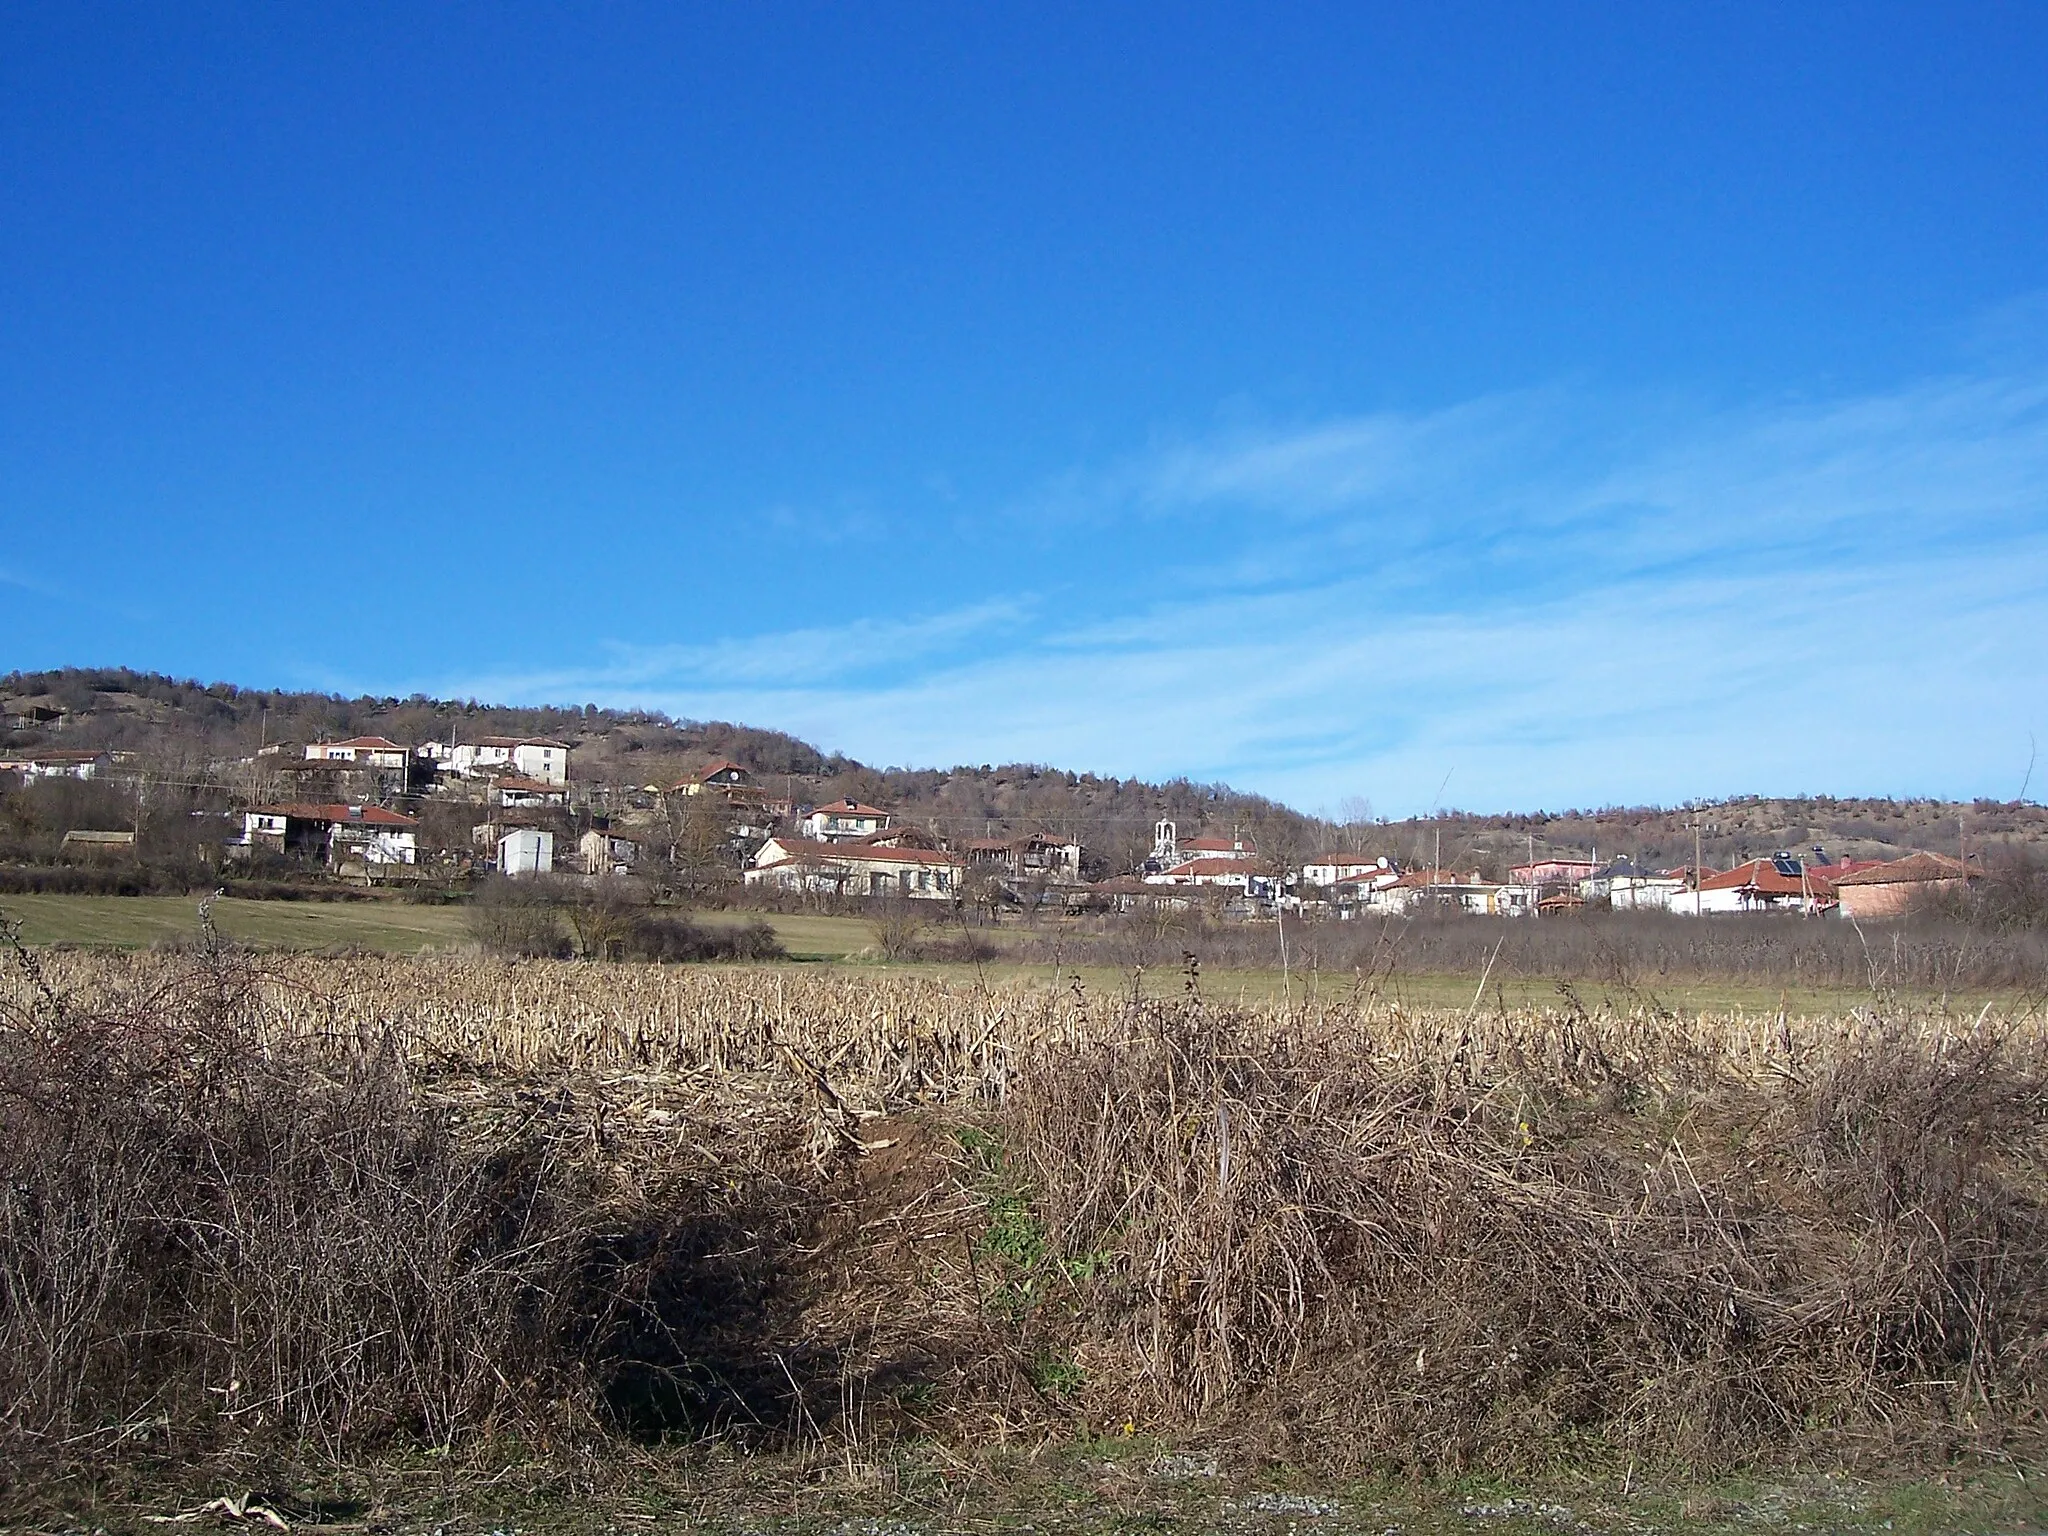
(1082, 1488)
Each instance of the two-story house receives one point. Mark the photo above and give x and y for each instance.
(844, 821)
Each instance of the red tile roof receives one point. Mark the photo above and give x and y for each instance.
(801, 850)
(1764, 877)
(847, 808)
(367, 743)
(1220, 845)
(1218, 867)
(1913, 869)
(360, 815)
(528, 786)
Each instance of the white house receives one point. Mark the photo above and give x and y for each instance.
(856, 869)
(362, 751)
(1443, 890)
(370, 833)
(525, 851)
(1778, 884)
(1229, 873)
(844, 821)
(1651, 892)
(527, 757)
(516, 793)
(1034, 855)
(58, 765)
(1328, 869)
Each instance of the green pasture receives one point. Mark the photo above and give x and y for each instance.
(136, 922)
(397, 927)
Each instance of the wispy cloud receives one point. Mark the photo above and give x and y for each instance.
(842, 655)
(1563, 597)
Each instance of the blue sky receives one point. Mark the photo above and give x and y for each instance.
(1585, 404)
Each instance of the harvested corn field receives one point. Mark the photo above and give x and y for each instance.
(358, 1203)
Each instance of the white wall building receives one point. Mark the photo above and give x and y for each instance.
(58, 765)
(362, 751)
(370, 833)
(525, 851)
(517, 793)
(527, 757)
(844, 821)
(856, 869)
(1645, 893)
(1328, 869)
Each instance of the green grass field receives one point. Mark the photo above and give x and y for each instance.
(398, 927)
(135, 922)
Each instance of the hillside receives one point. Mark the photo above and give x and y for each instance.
(189, 729)
(1730, 831)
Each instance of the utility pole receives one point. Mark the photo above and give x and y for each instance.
(1695, 863)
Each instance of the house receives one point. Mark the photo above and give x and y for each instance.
(607, 853)
(1232, 847)
(902, 837)
(1552, 872)
(57, 765)
(1224, 871)
(27, 715)
(362, 751)
(1035, 855)
(1440, 890)
(1351, 895)
(78, 840)
(332, 833)
(724, 774)
(515, 793)
(1780, 883)
(857, 869)
(1891, 889)
(751, 815)
(843, 821)
(526, 851)
(1628, 887)
(1645, 890)
(526, 757)
(1126, 893)
(1330, 869)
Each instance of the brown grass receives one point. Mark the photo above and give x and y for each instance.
(350, 1203)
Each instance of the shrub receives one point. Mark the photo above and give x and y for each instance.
(897, 927)
(215, 1234)
(516, 919)
(670, 936)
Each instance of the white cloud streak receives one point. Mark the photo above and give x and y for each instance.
(1560, 599)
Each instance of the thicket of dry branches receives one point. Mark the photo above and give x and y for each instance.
(346, 1204)
(1957, 944)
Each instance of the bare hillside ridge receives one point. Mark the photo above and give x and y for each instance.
(174, 724)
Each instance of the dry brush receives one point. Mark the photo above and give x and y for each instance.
(345, 1202)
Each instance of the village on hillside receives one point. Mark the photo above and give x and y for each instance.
(376, 811)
